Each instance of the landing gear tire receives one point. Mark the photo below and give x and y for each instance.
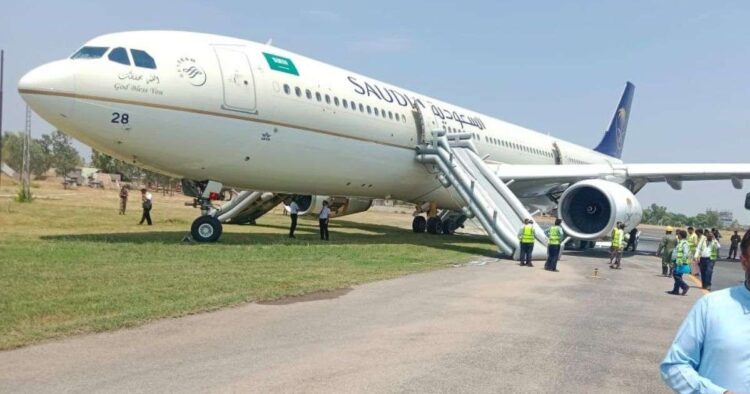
(419, 224)
(434, 225)
(449, 226)
(206, 229)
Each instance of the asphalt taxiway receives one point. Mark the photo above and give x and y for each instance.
(487, 326)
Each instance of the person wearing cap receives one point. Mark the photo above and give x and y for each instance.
(711, 351)
(526, 242)
(666, 246)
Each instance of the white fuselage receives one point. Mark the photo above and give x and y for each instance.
(237, 112)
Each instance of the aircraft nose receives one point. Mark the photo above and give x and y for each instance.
(51, 77)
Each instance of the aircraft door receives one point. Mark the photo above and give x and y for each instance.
(237, 79)
(557, 153)
(425, 122)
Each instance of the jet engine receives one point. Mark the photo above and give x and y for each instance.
(591, 208)
(340, 206)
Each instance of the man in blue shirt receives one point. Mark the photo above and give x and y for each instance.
(711, 352)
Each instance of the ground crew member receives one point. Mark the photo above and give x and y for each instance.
(612, 248)
(123, 199)
(692, 239)
(681, 258)
(618, 244)
(293, 210)
(554, 235)
(707, 253)
(323, 217)
(147, 204)
(632, 239)
(526, 241)
(717, 234)
(666, 246)
(734, 243)
(711, 352)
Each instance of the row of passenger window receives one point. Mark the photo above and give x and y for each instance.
(347, 104)
(117, 55)
(520, 147)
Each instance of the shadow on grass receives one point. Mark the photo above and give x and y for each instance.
(376, 234)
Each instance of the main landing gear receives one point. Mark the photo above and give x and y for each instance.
(446, 223)
(206, 228)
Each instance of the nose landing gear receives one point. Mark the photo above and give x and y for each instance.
(206, 228)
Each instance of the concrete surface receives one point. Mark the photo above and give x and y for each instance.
(484, 327)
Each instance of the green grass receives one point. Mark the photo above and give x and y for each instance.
(72, 265)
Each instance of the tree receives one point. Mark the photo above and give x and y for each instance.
(13, 153)
(111, 165)
(65, 157)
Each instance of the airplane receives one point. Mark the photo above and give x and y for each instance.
(222, 112)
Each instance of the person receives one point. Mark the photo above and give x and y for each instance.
(632, 239)
(694, 238)
(618, 243)
(526, 240)
(554, 234)
(323, 217)
(666, 246)
(711, 351)
(717, 234)
(612, 248)
(123, 198)
(293, 211)
(147, 204)
(681, 259)
(734, 242)
(707, 253)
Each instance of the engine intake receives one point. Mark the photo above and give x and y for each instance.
(589, 209)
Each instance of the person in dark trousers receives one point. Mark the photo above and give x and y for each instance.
(526, 241)
(632, 239)
(554, 235)
(323, 217)
(734, 242)
(123, 199)
(681, 257)
(293, 210)
(708, 252)
(666, 246)
(147, 204)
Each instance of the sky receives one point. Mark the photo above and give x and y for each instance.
(552, 66)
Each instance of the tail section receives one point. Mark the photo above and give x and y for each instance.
(614, 138)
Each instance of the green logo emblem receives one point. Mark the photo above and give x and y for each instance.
(282, 64)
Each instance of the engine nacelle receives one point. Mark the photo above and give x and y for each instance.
(589, 209)
(340, 206)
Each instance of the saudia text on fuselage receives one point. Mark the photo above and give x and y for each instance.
(389, 95)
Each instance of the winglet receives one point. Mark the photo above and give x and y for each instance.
(614, 138)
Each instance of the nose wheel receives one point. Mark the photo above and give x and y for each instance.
(206, 229)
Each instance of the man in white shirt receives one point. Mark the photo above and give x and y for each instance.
(323, 217)
(147, 204)
(293, 210)
(706, 253)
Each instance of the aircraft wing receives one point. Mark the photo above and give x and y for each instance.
(673, 174)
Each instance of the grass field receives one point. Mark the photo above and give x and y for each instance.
(70, 264)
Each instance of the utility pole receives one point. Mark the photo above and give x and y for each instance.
(26, 171)
(2, 74)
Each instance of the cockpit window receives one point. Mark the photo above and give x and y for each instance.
(142, 59)
(89, 53)
(119, 55)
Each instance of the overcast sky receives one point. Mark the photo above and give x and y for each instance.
(554, 67)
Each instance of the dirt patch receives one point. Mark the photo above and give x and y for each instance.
(315, 296)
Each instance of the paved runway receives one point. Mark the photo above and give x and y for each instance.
(485, 327)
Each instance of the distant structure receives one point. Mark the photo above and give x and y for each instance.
(726, 218)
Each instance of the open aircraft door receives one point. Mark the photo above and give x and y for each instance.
(237, 79)
(425, 122)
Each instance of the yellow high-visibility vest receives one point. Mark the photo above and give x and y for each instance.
(616, 238)
(554, 235)
(681, 259)
(527, 237)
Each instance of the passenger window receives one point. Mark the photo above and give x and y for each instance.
(369, 110)
(142, 59)
(318, 96)
(344, 103)
(119, 55)
(90, 53)
(382, 113)
(376, 111)
(308, 93)
(336, 101)
(287, 89)
(298, 91)
(328, 99)
(361, 108)
(390, 115)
